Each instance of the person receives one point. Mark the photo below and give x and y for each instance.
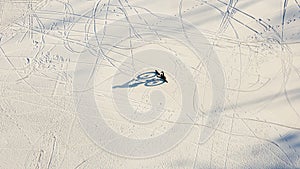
(161, 75)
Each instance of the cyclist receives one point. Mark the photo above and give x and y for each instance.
(161, 75)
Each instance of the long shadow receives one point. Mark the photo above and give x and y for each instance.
(265, 155)
(293, 94)
(148, 79)
(290, 145)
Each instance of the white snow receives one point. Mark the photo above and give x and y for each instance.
(79, 89)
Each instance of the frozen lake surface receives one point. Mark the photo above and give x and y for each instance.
(79, 87)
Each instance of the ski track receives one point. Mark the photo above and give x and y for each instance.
(257, 49)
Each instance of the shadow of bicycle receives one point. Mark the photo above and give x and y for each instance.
(148, 79)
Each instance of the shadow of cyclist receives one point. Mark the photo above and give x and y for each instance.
(148, 79)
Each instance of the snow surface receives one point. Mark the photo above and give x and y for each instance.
(79, 88)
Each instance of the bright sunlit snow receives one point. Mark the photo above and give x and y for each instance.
(163, 84)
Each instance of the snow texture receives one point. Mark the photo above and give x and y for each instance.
(79, 87)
